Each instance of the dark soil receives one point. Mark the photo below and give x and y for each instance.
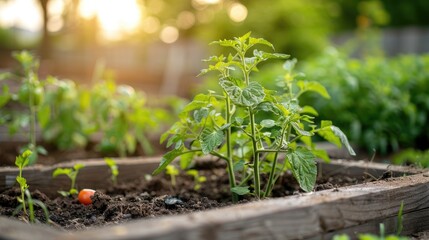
(148, 198)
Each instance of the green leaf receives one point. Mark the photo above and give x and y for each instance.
(290, 64)
(309, 110)
(239, 166)
(201, 100)
(24, 159)
(22, 182)
(177, 127)
(322, 154)
(249, 96)
(5, 96)
(225, 43)
(245, 37)
(167, 159)
(186, 160)
(64, 193)
(200, 114)
(78, 166)
(210, 140)
(61, 171)
(269, 107)
(306, 86)
(268, 123)
(299, 130)
(265, 55)
(334, 135)
(253, 41)
(41, 150)
(240, 190)
(304, 167)
(171, 170)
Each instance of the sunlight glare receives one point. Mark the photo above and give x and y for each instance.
(151, 24)
(116, 17)
(24, 14)
(55, 9)
(185, 20)
(237, 12)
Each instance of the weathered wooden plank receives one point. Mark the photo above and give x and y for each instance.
(14, 229)
(95, 174)
(310, 216)
(360, 168)
(413, 222)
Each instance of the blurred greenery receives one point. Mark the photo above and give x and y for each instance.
(69, 115)
(381, 103)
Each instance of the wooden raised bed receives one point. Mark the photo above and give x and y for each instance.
(318, 215)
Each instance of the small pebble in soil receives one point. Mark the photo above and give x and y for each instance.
(145, 195)
(172, 201)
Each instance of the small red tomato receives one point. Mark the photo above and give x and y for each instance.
(85, 196)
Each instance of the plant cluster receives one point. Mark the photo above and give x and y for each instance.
(384, 103)
(256, 131)
(69, 116)
(412, 156)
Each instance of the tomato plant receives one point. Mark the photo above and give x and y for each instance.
(253, 129)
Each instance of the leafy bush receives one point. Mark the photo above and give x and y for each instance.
(382, 103)
(69, 115)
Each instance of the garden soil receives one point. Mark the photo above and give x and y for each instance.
(149, 197)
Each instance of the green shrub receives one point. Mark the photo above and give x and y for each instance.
(381, 103)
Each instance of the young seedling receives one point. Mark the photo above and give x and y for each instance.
(70, 173)
(31, 202)
(197, 178)
(250, 127)
(113, 169)
(21, 161)
(172, 171)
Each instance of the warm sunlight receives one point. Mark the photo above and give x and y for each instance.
(116, 17)
(22, 14)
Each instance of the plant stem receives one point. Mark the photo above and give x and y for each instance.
(22, 193)
(30, 206)
(33, 111)
(229, 161)
(256, 177)
(271, 177)
(286, 130)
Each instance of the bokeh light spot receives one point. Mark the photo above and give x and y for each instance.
(169, 34)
